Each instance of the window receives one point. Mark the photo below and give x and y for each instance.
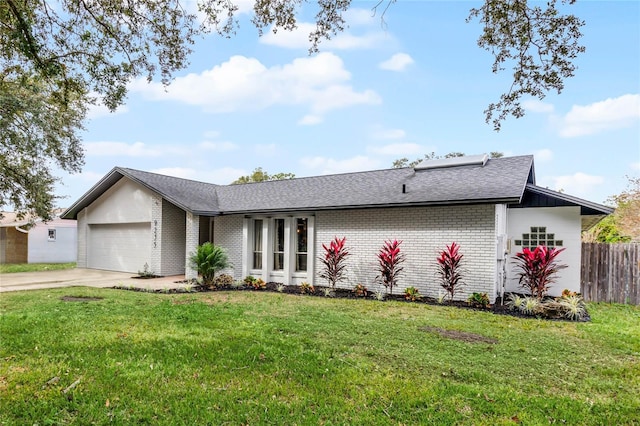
(278, 245)
(301, 244)
(257, 244)
(538, 237)
(52, 235)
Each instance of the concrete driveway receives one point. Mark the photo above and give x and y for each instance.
(82, 277)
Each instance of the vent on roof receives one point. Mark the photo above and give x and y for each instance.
(468, 160)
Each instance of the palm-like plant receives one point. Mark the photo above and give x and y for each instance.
(449, 269)
(208, 259)
(334, 261)
(389, 260)
(538, 269)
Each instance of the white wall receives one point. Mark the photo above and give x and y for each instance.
(564, 222)
(424, 232)
(124, 202)
(63, 249)
(227, 233)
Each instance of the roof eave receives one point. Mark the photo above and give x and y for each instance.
(595, 208)
(372, 206)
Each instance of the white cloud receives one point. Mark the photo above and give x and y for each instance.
(536, 106)
(326, 166)
(397, 149)
(398, 62)
(310, 120)
(635, 166)
(610, 114)
(543, 155)
(579, 184)
(345, 40)
(218, 146)
(120, 149)
(245, 84)
(180, 172)
(389, 134)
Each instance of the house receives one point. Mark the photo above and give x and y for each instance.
(275, 230)
(23, 240)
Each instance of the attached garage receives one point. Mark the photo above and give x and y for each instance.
(122, 247)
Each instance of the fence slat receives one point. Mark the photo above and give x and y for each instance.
(610, 273)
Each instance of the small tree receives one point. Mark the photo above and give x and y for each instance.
(389, 260)
(449, 269)
(207, 260)
(334, 261)
(538, 269)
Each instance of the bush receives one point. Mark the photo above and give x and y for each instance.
(479, 299)
(208, 259)
(334, 261)
(360, 290)
(449, 269)
(412, 294)
(223, 280)
(538, 269)
(389, 260)
(306, 288)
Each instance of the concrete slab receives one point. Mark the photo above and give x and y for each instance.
(83, 277)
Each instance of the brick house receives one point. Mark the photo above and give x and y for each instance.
(275, 230)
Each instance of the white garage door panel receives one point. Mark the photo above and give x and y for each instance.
(122, 247)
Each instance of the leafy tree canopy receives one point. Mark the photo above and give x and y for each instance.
(624, 224)
(79, 51)
(259, 175)
(404, 161)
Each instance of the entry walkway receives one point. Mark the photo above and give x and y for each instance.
(83, 277)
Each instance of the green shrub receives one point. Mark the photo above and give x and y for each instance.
(360, 290)
(479, 299)
(223, 280)
(306, 288)
(207, 260)
(412, 294)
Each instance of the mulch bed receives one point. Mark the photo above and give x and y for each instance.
(498, 307)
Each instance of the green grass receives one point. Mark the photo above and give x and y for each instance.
(269, 358)
(34, 267)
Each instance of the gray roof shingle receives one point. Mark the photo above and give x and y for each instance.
(501, 180)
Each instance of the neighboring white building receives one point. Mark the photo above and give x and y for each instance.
(21, 241)
(275, 230)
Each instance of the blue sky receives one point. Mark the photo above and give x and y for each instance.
(374, 94)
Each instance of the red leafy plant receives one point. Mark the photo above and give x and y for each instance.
(389, 260)
(449, 269)
(537, 269)
(334, 261)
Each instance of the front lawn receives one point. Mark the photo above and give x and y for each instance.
(34, 267)
(269, 358)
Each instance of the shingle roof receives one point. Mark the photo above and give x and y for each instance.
(500, 180)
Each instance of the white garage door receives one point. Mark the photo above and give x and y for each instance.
(122, 247)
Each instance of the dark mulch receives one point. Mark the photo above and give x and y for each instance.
(80, 299)
(499, 307)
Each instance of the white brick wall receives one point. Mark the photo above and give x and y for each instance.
(424, 232)
(227, 233)
(191, 243)
(82, 239)
(173, 239)
(155, 259)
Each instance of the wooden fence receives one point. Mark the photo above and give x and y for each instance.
(611, 273)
